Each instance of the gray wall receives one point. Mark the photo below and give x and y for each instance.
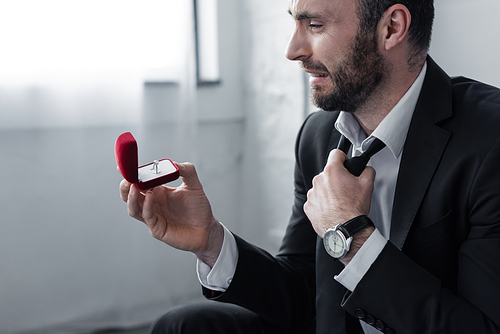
(466, 40)
(71, 258)
(274, 102)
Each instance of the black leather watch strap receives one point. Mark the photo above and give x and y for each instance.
(353, 226)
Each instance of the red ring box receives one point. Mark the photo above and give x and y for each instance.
(146, 176)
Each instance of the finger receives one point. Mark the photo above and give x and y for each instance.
(336, 156)
(307, 204)
(124, 190)
(368, 174)
(148, 213)
(189, 176)
(135, 203)
(152, 219)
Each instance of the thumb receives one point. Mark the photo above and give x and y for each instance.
(336, 156)
(189, 176)
(368, 175)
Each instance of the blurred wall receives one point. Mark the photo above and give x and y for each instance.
(274, 99)
(466, 40)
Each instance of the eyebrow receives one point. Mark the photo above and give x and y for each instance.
(303, 16)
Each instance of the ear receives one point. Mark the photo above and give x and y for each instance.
(394, 25)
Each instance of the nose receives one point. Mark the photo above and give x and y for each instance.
(298, 47)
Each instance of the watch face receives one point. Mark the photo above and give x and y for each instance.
(335, 245)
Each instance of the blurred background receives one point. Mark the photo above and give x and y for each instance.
(204, 81)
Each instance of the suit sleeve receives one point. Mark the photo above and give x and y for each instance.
(409, 299)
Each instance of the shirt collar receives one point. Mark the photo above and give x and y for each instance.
(393, 128)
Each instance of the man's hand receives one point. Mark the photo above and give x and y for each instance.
(338, 196)
(180, 217)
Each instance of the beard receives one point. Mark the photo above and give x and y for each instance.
(354, 79)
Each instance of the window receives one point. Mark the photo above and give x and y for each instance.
(207, 51)
(84, 62)
(59, 35)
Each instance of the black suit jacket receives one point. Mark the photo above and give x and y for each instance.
(440, 271)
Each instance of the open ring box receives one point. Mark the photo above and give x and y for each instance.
(146, 176)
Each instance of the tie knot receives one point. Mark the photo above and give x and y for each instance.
(375, 146)
(356, 165)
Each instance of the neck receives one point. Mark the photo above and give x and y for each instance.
(384, 98)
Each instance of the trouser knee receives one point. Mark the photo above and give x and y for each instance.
(210, 318)
(202, 318)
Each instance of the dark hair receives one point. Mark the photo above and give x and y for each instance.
(422, 17)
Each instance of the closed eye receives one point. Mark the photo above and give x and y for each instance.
(315, 25)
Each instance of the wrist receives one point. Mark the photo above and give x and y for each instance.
(358, 241)
(337, 240)
(215, 239)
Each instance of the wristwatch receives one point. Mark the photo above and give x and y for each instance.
(337, 240)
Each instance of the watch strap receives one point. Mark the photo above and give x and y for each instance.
(353, 226)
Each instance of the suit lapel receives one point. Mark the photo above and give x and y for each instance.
(424, 147)
(334, 137)
(334, 141)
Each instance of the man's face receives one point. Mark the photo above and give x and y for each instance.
(343, 61)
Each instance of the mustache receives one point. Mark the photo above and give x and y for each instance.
(313, 66)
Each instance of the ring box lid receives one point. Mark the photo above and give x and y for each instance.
(146, 176)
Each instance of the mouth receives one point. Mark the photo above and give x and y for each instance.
(315, 71)
(318, 78)
(318, 75)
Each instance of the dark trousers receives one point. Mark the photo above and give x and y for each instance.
(213, 318)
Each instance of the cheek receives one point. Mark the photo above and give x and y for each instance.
(331, 51)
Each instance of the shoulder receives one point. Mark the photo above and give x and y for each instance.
(475, 121)
(475, 93)
(318, 125)
(477, 99)
(476, 109)
(314, 141)
(459, 98)
(316, 131)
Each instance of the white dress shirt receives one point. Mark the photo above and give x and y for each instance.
(392, 131)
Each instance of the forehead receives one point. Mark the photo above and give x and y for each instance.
(326, 8)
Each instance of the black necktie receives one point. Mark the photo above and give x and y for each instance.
(356, 165)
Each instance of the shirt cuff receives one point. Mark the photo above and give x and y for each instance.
(219, 277)
(362, 261)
